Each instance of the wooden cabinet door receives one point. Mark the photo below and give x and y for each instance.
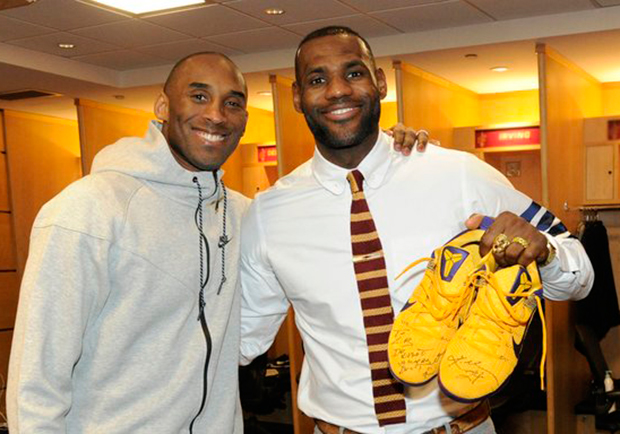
(599, 173)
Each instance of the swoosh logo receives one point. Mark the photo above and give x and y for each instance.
(517, 346)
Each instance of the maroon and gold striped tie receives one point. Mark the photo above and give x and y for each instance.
(372, 284)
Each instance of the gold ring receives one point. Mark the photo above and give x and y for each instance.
(500, 244)
(521, 241)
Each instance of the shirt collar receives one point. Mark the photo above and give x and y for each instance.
(374, 167)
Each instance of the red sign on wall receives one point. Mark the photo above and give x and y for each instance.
(507, 137)
(267, 154)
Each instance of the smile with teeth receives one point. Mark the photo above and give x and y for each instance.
(341, 113)
(211, 137)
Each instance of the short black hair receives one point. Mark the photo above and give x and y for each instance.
(175, 68)
(331, 31)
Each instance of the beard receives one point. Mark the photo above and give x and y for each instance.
(369, 124)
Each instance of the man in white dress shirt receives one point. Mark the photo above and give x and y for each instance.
(296, 244)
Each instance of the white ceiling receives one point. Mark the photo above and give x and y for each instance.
(118, 54)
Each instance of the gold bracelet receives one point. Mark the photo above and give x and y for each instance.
(550, 256)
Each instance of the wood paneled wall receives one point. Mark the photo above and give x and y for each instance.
(39, 156)
(519, 107)
(9, 280)
(103, 124)
(261, 127)
(430, 102)
(259, 130)
(389, 115)
(294, 140)
(567, 95)
(611, 99)
(43, 158)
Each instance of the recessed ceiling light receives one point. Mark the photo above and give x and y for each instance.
(499, 69)
(264, 92)
(144, 7)
(66, 46)
(274, 11)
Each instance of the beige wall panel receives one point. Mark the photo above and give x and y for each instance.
(595, 130)
(599, 172)
(102, 124)
(260, 127)
(570, 95)
(293, 138)
(567, 96)
(465, 139)
(611, 99)
(522, 168)
(7, 243)
(389, 115)
(259, 130)
(4, 184)
(9, 294)
(254, 180)
(519, 107)
(435, 104)
(43, 158)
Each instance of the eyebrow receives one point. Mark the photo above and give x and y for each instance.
(356, 62)
(317, 70)
(348, 65)
(238, 94)
(198, 85)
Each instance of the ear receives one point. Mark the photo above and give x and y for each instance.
(381, 82)
(297, 97)
(161, 108)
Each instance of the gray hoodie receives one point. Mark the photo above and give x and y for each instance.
(107, 337)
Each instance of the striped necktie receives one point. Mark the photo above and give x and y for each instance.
(372, 284)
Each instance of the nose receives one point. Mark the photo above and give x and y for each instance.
(338, 87)
(214, 113)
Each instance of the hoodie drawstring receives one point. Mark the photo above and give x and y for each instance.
(223, 239)
(204, 242)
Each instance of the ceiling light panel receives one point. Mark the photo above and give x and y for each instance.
(138, 7)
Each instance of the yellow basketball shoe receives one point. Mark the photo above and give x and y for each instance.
(485, 350)
(435, 310)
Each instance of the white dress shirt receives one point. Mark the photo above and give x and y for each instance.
(296, 249)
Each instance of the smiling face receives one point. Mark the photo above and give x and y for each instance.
(339, 91)
(203, 108)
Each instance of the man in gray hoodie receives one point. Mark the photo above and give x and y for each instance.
(128, 318)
